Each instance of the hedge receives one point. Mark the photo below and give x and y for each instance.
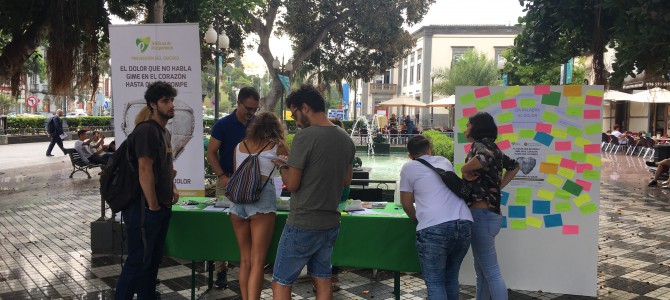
(72, 122)
(442, 144)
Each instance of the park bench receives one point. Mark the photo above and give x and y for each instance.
(78, 164)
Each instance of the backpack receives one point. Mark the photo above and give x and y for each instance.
(50, 126)
(244, 186)
(452, 181)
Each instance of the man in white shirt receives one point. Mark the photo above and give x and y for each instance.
(83, 147)
(444, 220)
(619, 135)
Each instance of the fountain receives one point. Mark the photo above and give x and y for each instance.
(370, 131)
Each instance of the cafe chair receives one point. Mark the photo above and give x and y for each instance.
(605, 140)
(650, 147)
(644, 143)
(615, 144)
(632, 145)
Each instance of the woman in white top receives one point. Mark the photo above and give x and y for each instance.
(254, 223)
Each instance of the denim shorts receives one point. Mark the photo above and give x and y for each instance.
(266, 204)
(299, 247)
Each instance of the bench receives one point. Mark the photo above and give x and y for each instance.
(78, 164)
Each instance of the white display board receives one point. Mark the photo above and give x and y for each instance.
(142, 54)
(549, 240)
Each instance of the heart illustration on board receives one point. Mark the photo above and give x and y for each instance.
(526, 164)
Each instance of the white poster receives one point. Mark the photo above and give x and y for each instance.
(549, 239)
(142, 54)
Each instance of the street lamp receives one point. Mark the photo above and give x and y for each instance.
(219, 43)
(282, 70)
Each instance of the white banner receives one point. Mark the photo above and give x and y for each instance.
(142, 54)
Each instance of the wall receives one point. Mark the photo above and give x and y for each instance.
(639, 117)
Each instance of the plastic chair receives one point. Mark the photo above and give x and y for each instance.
(645, 144)
(650, 147)
(615, 144)
(632, 145)
(605, 140)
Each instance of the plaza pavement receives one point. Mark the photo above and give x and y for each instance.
(45, 239)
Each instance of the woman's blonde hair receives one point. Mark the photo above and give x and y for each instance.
(143, 115)
(265, 128)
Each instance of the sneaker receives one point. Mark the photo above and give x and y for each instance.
(650, 163)
(221, 280)
(653, 183)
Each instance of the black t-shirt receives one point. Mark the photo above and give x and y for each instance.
(152, 140)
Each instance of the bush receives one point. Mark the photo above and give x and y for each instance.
(289, 140)
(72, 122)
(442, 144)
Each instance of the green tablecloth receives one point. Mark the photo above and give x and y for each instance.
(365, 241)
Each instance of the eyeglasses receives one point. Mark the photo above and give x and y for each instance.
(252, 110)
(293, 112)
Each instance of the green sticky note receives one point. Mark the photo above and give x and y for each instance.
(505, 117)
(526, 133)
(574, 111)
(545, 194)
(572, 187)
(553, 98)
(497, 97)
(578, 156)
(482, 103)
(461, 138)
(565, 172)
(594, 160)
(518, 224)
(534, 222)
(527, 102)
(593, 129)
(562, 206)
(588, 208)
(550, 117)
(457, 168)
(574, 131)
(559, 133)
(555, 180)
(523, 196)
(591, 174)
(467, 98)
(597, 93)
(580, 141)
(462, 123)
(554, 158)
(512, 91)
(576, 100)
(561, 194)
(582, 199)
(511, 137)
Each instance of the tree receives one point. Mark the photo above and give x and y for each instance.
(519, 73)
(472, 69)
(6, 101)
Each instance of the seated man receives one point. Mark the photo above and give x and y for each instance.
(83, 147)
(621, 136)
(661, 167)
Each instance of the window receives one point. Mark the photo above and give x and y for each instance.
(499, 59)
(418, 66)
(411, 70)
(404, 73)
(457, 53)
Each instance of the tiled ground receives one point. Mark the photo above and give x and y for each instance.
(45, 244)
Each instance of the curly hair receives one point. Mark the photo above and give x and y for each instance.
(265, 128)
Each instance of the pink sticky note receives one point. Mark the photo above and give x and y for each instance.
(568, 163)
(591, 114)
(509, 103)
(467, 147)
(585, 184)
(469, 111)
(561, 146)
(542, 90)
(581, 167)
(593, 100)
(507, 128)
(570, 229)
(542, 127)
(482, 92)
(592, 148)
(504, 145)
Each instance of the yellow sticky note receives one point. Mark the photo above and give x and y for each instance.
(579, 100)
(505, 117)
(555, 180)
(574, 131)
(567, 173)
(550, 117)
(582, 199)
(562, 206)
(518, 224)
(527, 133)
(534, 222)
(545, 194)
(592, 159)
(548, 168)
(572, 90)
(597, 93)
(512, 137)
(457, 168)
(580, 141)
(559, 133)
(512, 91)
(562, 194)
(554, 159)
(526, 102)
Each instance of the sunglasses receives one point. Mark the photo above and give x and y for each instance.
(250, 109)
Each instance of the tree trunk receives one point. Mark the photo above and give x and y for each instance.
(155, 11)
(598, 63)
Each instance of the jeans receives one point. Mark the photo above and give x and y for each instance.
(441, 249)
(55, 139)
(141, 267)
(490, 284)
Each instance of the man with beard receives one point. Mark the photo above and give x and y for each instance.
(148, 217)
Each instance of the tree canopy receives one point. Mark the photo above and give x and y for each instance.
(472, 69)
(519, 73)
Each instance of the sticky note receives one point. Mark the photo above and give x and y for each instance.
(516, 212)
(559, 133)
(467, 147)
(512, 137)
(580, 141)
(507, 128)
(572, 90)
(482, 92)
(578, 156)
(523, 196)
(534, 222)
(518, 224)
(593, 100)
(565, 172)
(579, 100)
(572, 187)
(504, 196)
(574, 111)
(594, 160)
(553, 98)
(549, 117)
(543, 127)
(581, 167)
(505, 117)
(497, 97)
(543, 138)
(504, 222)
(592, 148)
(585, 184)
(542, 89)
(545, 194)
(462, 123)
(561, 194)
(482, 103)
(588, 208)
(512, 91)
(582, 199)
(554, 220)
(591, 174)
(457, 168)
(593, 129)
(548, 168)
(527, 102)
(568, 163)
(504, 145)
(541, 207)
(555, 180)
(467, 98)
(468, 111)
(570, 229)
(596, 92)
(591, 114)
(507, 104)
(460, 138)
(553, 158)
(563, 146)
(574, 131)
(526, 133)
(562, 206)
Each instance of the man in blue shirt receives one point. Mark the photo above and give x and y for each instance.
(226, 134)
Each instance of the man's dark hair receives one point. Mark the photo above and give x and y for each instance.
(483, 126)
(418, 145)
(248, 92)
(309, 95)
(80, 132)
(158, 90)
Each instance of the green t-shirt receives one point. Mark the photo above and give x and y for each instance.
(323, 153)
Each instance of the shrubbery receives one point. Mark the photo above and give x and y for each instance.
(442, 144)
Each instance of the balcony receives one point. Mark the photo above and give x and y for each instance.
(383, 88)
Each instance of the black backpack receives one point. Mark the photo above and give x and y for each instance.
(119, 182)
(51, 127)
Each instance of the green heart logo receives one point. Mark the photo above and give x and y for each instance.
(143, 43)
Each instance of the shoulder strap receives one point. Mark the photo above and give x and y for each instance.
(425, 163)
(451, 180)
(259, 151)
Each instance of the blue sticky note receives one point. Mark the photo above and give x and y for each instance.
(515, 211)
(541, 207)
(543, 138)
(503, 198)
(554, 220)
(504, 222)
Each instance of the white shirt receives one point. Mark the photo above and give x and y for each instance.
(435, 203)
(83, 150)
(616, 133)
(264, 159)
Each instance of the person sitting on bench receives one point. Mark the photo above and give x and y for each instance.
(89, 156)
(661, 167)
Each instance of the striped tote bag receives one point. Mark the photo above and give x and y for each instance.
(245, 184)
